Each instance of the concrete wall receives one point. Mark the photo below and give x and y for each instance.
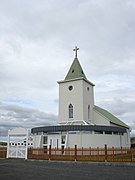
(74, 97)
(88, 100)
(85, 139)
(37, 141)
(80, 97)
(97, 140)
(100, 120)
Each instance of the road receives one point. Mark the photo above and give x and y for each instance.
(11, 169)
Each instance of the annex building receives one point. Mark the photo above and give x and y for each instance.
(80, 121)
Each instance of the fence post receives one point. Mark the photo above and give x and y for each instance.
(82, 151)
(113, 152)
(49, 152)
(90, 150)
(131, 151)
(75, 152)
(98, 153)
(105, 152)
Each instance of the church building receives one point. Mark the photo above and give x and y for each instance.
(80, 121)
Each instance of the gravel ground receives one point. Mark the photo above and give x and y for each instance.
(18, 169)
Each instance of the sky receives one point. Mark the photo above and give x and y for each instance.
(37, 38)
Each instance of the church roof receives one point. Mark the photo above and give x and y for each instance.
(75, 71)
(110, 116)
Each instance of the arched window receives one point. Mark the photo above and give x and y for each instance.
(88, 112)
(70, 110)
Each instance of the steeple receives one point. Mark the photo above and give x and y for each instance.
(75, 70)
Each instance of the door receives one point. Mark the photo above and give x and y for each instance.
(54, 141)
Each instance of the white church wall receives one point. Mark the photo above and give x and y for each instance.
(127, 138)
(84, 139)
(96, 140)
(81, 96)
(74, 139)
(74, 97)
(100, 120)
(88, 100)
(100, 140)
(37, 141)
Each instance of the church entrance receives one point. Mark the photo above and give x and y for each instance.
(54, 141)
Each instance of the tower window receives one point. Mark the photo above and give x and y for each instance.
(88, 112)
(70, 108)
(70, 88)
(73, 71)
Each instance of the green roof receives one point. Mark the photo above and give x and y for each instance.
(75, 71)
(110, 116)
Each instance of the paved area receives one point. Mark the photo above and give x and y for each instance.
(39, 170)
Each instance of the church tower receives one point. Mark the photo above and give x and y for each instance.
(76, 97)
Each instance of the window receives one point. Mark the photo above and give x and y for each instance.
(86, 132)
(116, 133)
(88, 112)
(63, 139)
(51, 142)
(98, 132)
(70, 88)
(70, 108)
(108, 132)
(44, 139)
(72, 132)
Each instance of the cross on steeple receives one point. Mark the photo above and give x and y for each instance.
(76, 49)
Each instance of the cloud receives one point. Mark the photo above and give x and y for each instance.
(121, 107)
(12, 116)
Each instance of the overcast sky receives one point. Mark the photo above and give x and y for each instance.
(37, 38)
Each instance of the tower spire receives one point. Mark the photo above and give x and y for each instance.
(75, 70)
(76, 49)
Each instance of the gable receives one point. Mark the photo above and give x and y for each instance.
(110, 117)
